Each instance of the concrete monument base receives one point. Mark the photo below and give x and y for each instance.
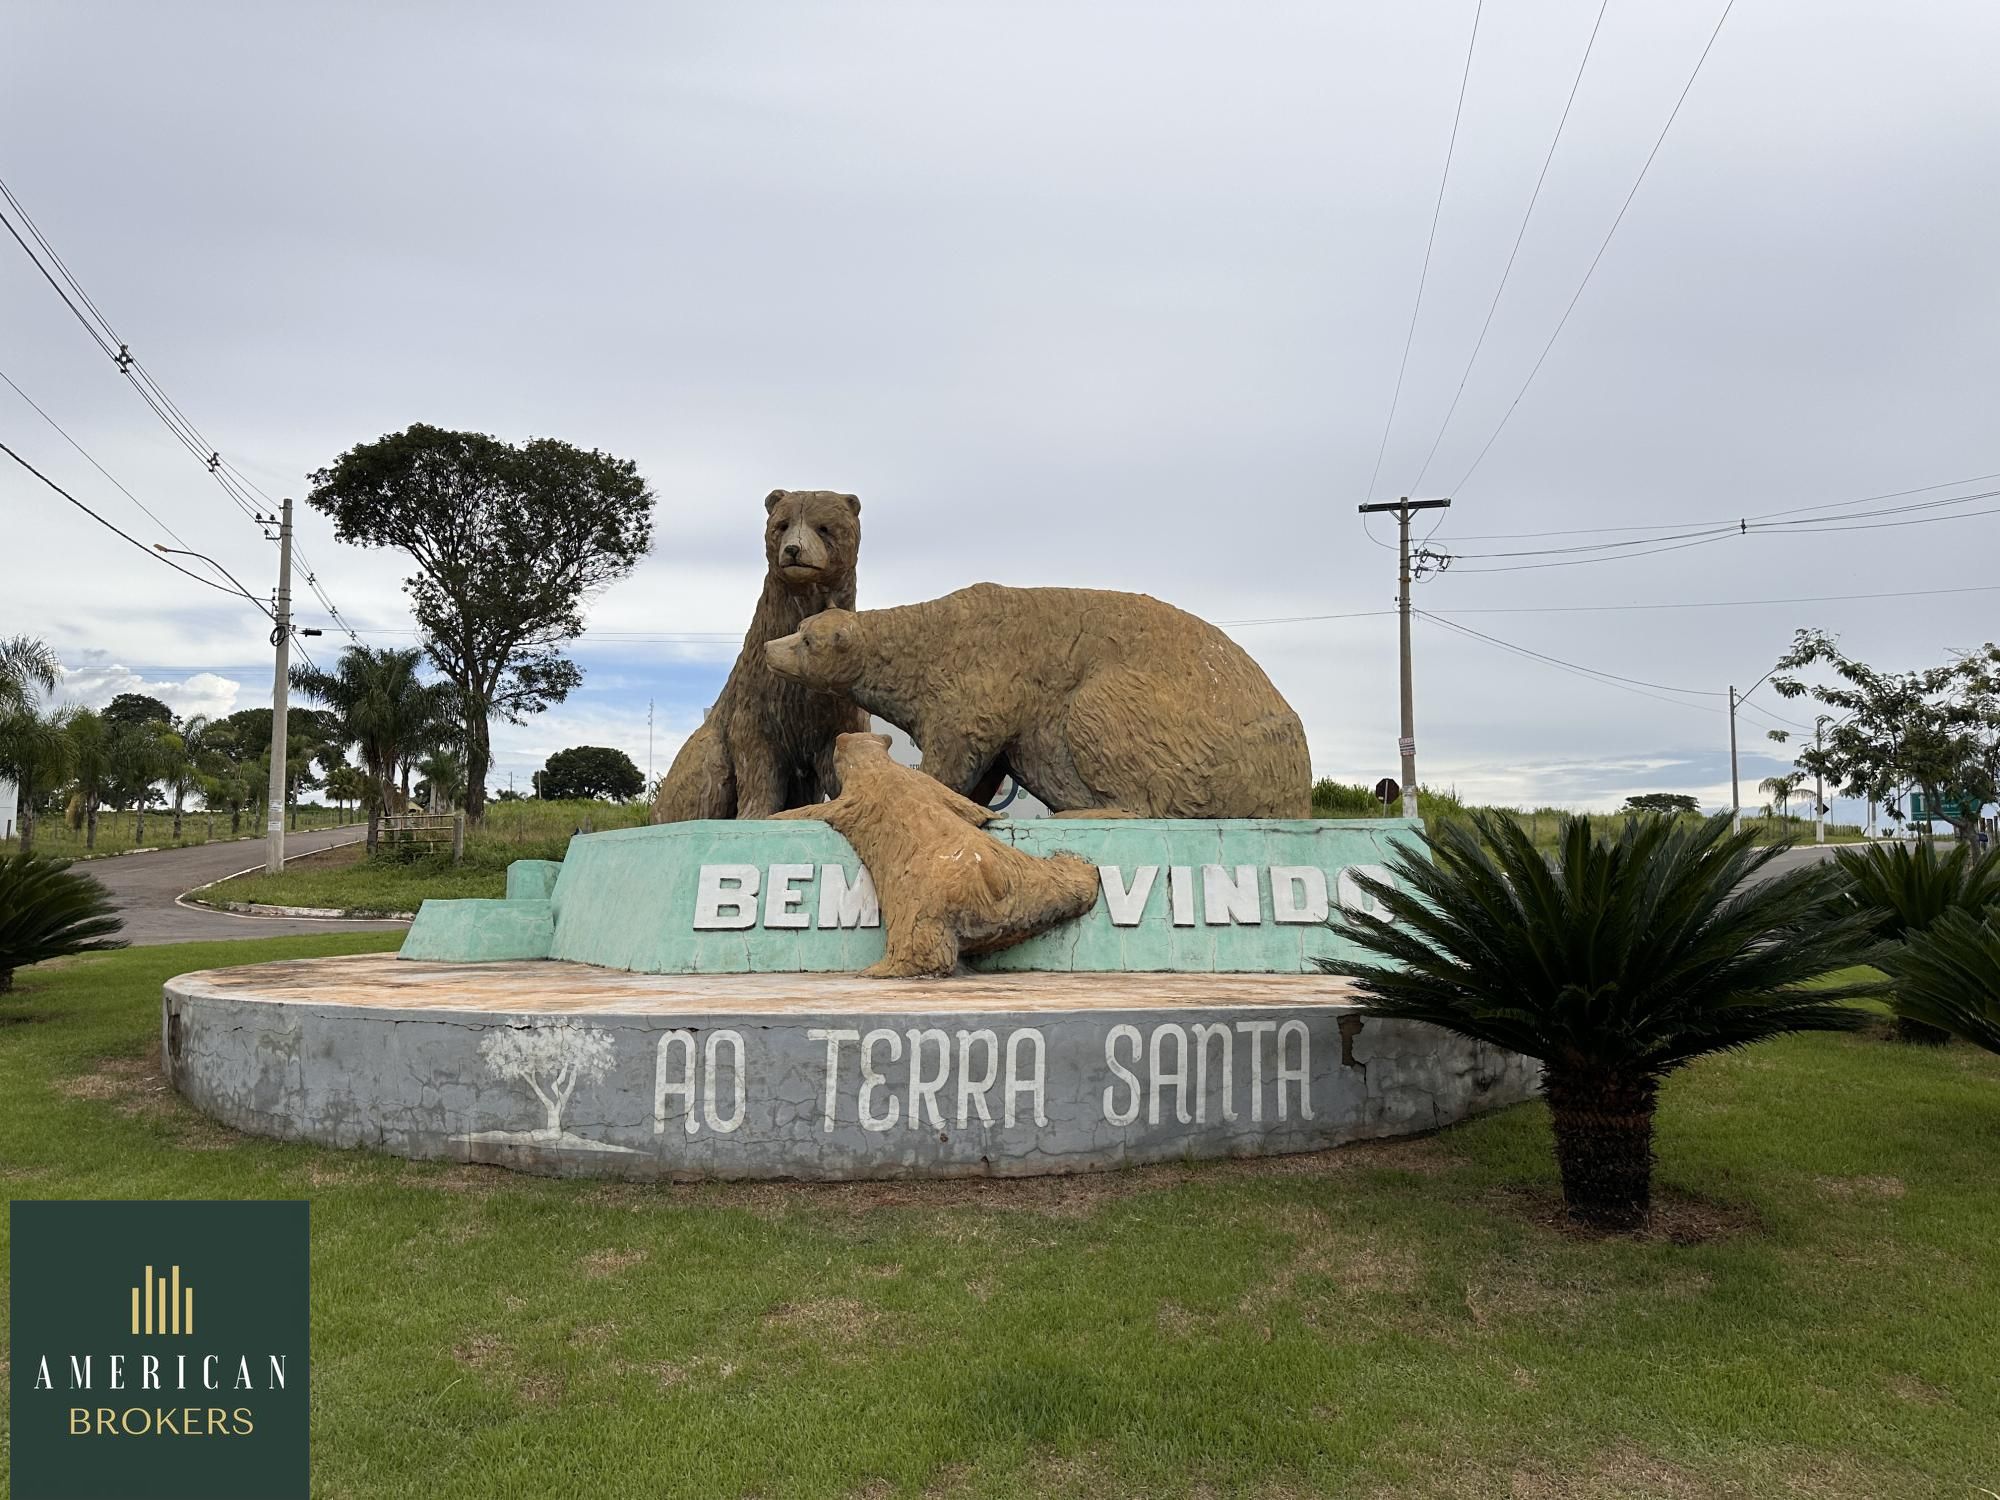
(563, 1068)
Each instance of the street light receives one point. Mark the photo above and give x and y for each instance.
(204, 557)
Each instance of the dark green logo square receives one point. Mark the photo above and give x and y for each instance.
(159, 1351)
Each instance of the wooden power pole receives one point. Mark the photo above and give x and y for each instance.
(1408, 742)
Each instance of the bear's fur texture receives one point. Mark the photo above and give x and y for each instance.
(1099, 703)
(947, 887)
(767, 743)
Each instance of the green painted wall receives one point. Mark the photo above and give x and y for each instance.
(678, 899)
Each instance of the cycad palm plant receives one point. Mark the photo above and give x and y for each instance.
(1948, 976)
(48, 911)
(1907, 888)
(1615, 961)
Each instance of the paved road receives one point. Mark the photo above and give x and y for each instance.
(1803, 854)
(145, 885)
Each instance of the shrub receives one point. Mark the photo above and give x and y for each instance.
(1343, 799)
(48, 910)
(1614, 962)
(1948, 976)
(1906, 888)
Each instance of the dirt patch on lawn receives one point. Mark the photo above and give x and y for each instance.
(1679, 1218)
(600, 1264)
(1860, 1187)
(137, 1088)
(839, 1325)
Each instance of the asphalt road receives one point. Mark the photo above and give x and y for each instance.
(1804, 854)
(145, 887)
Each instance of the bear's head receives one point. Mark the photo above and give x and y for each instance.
(811, 537)
(824, 652)
(854, 753)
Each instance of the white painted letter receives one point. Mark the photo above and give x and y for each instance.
(1255, 1031)
(970, 1093)
(738, 895)
(833, 1039)
(1180, 886)
(1202, 1035)
(1127, 906)
(1298, 893)
(842, 905)
(1224, 901)
(1301, 1075)
(923, 1091)
(685, 1088)
(1033, 1085)
(1126, 1076)
(1353, 898)
(784, 902)
(872, 1080)
(1161, 1077)
(709, 1070)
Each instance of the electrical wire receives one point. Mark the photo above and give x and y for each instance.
(1423, 277)
(1607, 679)
(240, 490)
(112, 526)
(1519, 235)
(1591, 270)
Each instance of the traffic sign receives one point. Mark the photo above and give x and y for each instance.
(1386, 791)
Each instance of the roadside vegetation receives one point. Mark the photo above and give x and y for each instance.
(388, 884)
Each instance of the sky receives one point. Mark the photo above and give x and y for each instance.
(1106, 295)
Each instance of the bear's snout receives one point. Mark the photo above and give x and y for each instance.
(786, 655)
(801, 552)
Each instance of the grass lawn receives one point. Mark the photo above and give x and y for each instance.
(1403, 1320)
(117, 832)
(346, 879)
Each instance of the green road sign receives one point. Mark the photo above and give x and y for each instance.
(1951, 809)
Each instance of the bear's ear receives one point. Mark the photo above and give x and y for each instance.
(771, 501)
(853, 503)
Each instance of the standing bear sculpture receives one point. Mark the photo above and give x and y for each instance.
(767, 743)
(948, 888)
(1099, 703)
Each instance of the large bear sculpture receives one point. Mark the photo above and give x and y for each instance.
(767, 743)
(1099, 703)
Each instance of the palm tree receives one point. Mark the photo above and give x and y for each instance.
(35, 752)
(1948, 976)
(48, 911)
(1906, 889)
(28, 670)
(91, 764)
(1781, 789)
(1615, 961)
(184, 754)
(383, 709)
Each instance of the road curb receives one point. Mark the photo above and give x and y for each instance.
(190, 899)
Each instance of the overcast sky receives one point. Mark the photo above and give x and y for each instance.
(1092, 294)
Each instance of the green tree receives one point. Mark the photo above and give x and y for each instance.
(90, 766)
(33, 749)
(1936, 729)
(1780, 789)
(1614, 962)
(591, 771)
(380, 705)
(509, 542)
(48, 910)
(140, 758)
(1947, 977)
(1906, 890)
(1669, 803)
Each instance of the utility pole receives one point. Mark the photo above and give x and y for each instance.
(1819, 783)
(1408, 742)
(281, 637)
(1735, 784)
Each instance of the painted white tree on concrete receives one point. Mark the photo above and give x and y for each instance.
(551, 1058)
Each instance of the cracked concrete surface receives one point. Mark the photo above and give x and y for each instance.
(809, 1076)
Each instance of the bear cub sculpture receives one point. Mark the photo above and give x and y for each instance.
(767, 743)
(947, 887)
(1099, 703)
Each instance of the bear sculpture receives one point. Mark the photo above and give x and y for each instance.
(767, 743)
(947, 887)
(1099, 703)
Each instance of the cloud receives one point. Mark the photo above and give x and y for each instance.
(95, 684)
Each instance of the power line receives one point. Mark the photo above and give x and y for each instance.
(1563, 322)
(1423, 276)
(1578, 667)
(231, 480)
(1519, 235)
(112, 526)
(1607, 679)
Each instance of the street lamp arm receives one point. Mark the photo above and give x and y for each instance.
(204, 557)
